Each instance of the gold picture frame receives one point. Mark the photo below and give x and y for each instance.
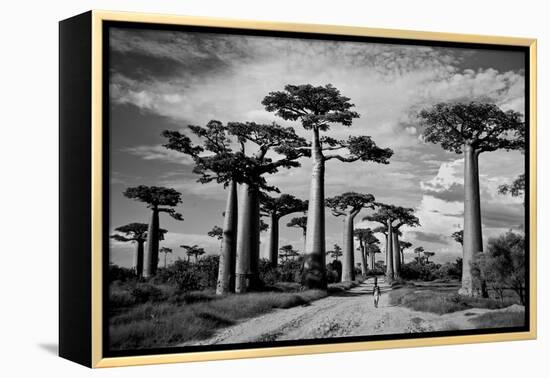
(96, 359)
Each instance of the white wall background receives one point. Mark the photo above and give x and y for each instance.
(28, 215)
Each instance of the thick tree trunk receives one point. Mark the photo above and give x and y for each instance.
(348, 257)
(473, 242)
(364, 266)
(152, 255)
(314, 272)
(228, 255)
(138, 258)
(248, 240)
(396, 255)
(273, 241)
(389, 253)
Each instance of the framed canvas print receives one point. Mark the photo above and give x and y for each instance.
(235, 189)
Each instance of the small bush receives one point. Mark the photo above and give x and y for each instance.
(118, 273)
(441, 301)
(499, 319)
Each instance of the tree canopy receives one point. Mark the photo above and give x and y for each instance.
(458, 236)
(216, 232)
(280, 206)
(349, 203)
(217, 160)
(315, 107)
(319, 107)
(135, 232)
(193, 250)
(156, 196)
(299, 222)
(403, 244)
(516, 188)
(287, 252)
(335, 252)
(484, 126)
(366, 236)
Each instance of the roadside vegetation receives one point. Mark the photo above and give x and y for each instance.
(180, 303)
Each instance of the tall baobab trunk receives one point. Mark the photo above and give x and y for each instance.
(389, 253)
(473, 242)
(396, 255)
(348, 258)
(228, 256)
(314, 275)
(273, 241)
(372, 260)
(248, 239)
(152, 255)
(364, 265)
(138, 258)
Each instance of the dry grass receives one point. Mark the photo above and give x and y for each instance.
(441, 300)
(500, 319)
(168, 323)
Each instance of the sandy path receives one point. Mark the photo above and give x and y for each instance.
(348, 314)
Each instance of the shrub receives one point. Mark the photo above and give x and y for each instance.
(334, 271)
(502, 266)
(146, 292)
(188, 276)
(118, 273)
(420, 271)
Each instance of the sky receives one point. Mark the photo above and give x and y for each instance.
(167, 80)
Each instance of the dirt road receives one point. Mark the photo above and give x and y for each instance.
(351, 313)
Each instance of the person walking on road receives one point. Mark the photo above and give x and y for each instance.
(376, 294)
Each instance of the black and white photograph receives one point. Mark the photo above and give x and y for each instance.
(273, 189)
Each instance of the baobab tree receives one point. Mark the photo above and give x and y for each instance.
(374, 249)
(217, 233)
(386, 215)
(335, 252)
(299, 222)
(318, 108)
(288, 253)
(472, 128)
(193, 250)
(349, 205)
(264, 138)
(366, 239)
(419, 251)
(383, 229)
(403, 217)
(166, 251)
(515, 189)
(276, 208)
(159, 200)
(242, 223)
(458, 236)
(136, 233)
(428, 255)
(403, 245)
(216, 161)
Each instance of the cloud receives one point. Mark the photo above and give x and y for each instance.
(429, 237)
(455, 193)
(158, 152)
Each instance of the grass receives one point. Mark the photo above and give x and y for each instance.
(442, 299)
(500, 319)
(161, 324)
